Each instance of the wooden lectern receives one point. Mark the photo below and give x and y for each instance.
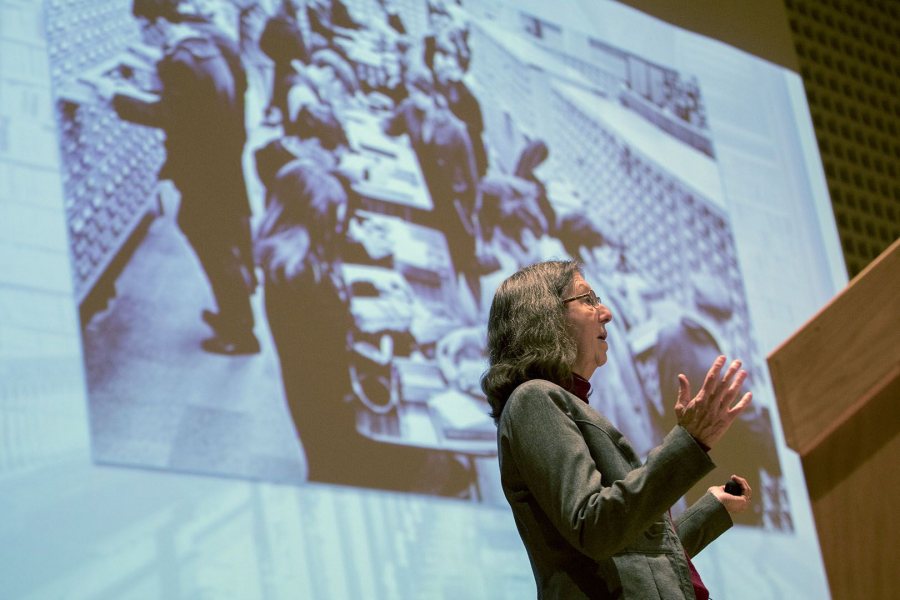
(837, 382)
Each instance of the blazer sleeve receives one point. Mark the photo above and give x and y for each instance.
(704, 521)
(556, 464)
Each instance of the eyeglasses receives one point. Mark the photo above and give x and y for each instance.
(590, 298)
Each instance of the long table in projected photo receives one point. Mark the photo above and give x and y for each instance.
(405, 402)
(392, 181)
(401, 396)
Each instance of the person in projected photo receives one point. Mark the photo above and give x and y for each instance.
(327, 80)
(448, 28)
(512, 231)
(312, 130)
(330, 19)
(212, 23)
(282, 41)
(314, 134)
(307, 303)
(201, 110)
(306, 308)
(594, 520)
(533, 155)
(512, 227)
(686, 343)
(448, 77)
(445, 155)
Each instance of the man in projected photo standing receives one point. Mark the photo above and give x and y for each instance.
(594, 520)
(201, 111)
(445, 155)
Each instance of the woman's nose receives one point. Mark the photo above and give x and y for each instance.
(604, 314)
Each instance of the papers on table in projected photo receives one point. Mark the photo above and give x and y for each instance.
(461, 416)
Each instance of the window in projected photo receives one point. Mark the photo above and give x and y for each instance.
(286, 229)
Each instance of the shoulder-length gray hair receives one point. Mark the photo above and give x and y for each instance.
(528, 336)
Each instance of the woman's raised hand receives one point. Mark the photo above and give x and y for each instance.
(709, 414)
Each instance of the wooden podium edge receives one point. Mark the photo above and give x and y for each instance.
(778, 376)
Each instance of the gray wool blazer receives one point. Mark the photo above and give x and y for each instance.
(594, 520)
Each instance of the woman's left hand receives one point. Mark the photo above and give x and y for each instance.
(733, 504)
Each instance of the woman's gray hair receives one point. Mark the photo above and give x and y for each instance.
(528, 335)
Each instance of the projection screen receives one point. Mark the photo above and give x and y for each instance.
(305, 320)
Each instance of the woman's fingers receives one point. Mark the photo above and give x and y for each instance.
(713, 386)
(738, 408)
(684, 392)
(711, 380)
(728, 396)
(729, 374)
(745, 487)
(709, 414)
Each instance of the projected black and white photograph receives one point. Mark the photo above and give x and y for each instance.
(287, 220)
(249, 251)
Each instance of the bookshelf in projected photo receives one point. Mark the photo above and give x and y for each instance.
(109, 165)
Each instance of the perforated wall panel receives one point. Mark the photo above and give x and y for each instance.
(849, 56)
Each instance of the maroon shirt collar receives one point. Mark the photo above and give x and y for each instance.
(581, 387)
